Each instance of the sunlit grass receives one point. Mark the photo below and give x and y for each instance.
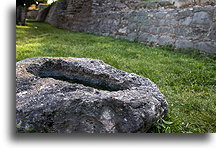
(187, 81)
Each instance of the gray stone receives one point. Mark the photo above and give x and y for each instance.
(162, 22)
(185, 21)
(208, 47)
(211, 32)
(182, 31)
(144, 28)
(154, 30)
(185, 13)
(78, 95)
(186, 3)
(124, 22)
(171, 22)
(165, 30)
(153, 38)
(132, 36)
(183, 44)
(214, 16)
(133, 27)
(205, 8)
(143, 38)
(105, 34)
(115, 22)
(181, 3)
(123, 30)
(201, 18)
(42, 14)
(165, 3)
(160, 15)
(163, 40)
(199, 31)
(171, 14)
(154, 22)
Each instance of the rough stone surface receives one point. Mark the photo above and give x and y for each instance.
(32, 14)
(205, 46)
(67, 95)
(186, 3)
(138, 20)
(183, 44)
(42, 14)
(201, 18)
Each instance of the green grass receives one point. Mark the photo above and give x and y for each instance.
(187, 80)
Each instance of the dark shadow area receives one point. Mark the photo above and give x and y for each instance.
(12, 71)
(99, 86)
(74, 74)
(113, 137)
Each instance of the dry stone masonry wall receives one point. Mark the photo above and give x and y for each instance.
(134, 20)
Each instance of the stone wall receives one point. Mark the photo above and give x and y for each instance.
(187, 3)
(134, 20)
(32, 14)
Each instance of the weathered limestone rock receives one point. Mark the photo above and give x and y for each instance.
(67, 95)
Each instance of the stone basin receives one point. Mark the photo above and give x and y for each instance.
(80, 95)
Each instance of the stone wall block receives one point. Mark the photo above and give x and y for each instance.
(205, 46)
(144, 28)
(163, 40)
(171, 14)
(132, 36)
(162, 22)
(143, 38)
(197, 31)
(187, 21)
(185, 13)
(201, 18)
(211, 32)
(123, 30)
(143, 13)
(165, 30)
(154, 22)
(182, 31)
(133, 27)
(124, 21)
(154, 30)
(160, 15)
(153, 38)
(183, 44)
(207, 8)
(171, 22)
(116, 22)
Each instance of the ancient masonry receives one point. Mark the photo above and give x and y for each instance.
(134, 20)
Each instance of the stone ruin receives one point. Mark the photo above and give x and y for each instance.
(189, 3)
(192, 25)
(78, 95)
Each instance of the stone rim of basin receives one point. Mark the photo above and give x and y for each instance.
(39, 75)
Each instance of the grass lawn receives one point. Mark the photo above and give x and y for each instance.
(187, 80)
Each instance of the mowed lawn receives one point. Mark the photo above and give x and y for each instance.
(186, 79)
